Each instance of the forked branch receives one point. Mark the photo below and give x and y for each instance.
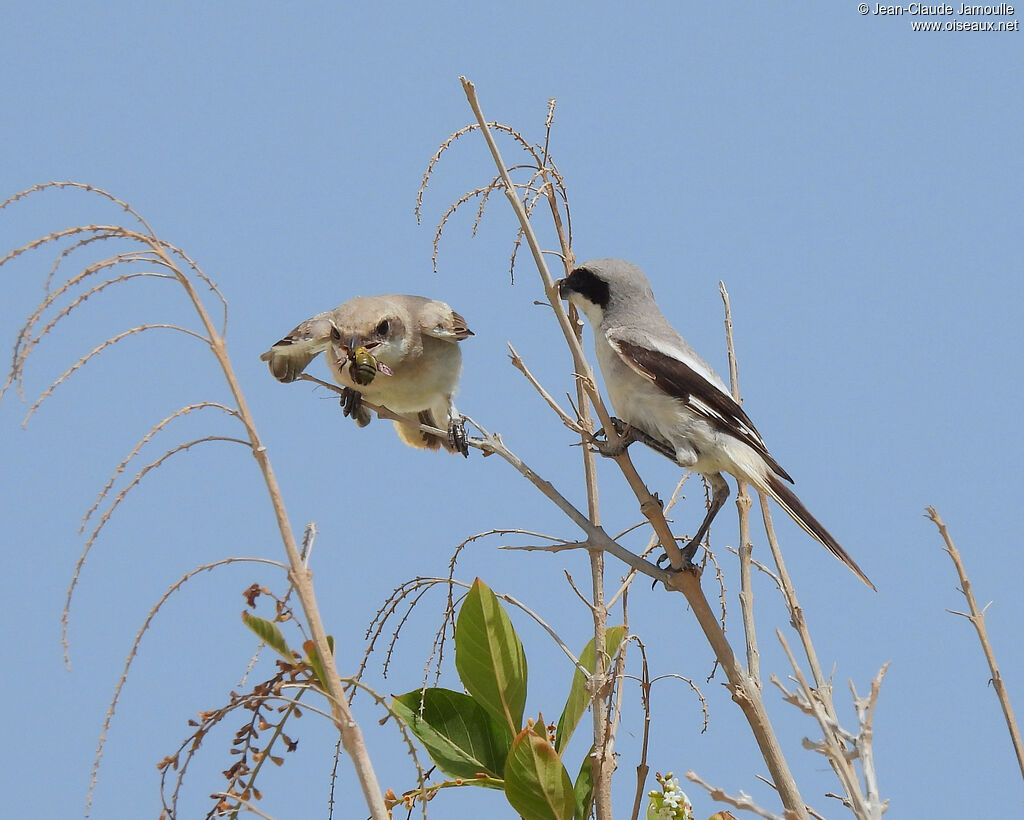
(744, 689)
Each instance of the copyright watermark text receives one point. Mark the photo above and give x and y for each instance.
(957, 11)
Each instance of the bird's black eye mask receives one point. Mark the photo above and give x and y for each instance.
(588, 285)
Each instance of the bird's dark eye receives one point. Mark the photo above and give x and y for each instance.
(335, 333)
(383, 328)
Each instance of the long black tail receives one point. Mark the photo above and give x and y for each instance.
(786, 498)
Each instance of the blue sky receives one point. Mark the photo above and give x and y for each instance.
(857, 185)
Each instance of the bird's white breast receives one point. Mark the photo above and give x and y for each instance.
(421, 378)
(637, 401)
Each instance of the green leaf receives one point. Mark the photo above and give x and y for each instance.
(313, 659)
(270, 634)
(458, 733)
(583, 790)
(578, 700)
(536, 783)
(489, 657)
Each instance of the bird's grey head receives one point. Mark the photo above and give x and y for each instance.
(377, 323)
(603, 286)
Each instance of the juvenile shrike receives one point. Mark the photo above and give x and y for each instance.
(670, 396)
(398, 351)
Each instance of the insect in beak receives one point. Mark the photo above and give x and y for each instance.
(363, 366)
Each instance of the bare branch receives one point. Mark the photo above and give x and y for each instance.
(653, 542)
(184, 411)
(82, 187)
(112, 707)
(25, 343)
(743, 504)
(595, 535)
(832, 746)
(741, 801)
(648, 504)
(796, 614)
(977, 619)
(66, 613)
(863, 739)
(99, 349)
(520, 365)
(561, 546)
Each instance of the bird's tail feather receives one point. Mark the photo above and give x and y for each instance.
(786, 498)
(415, 437)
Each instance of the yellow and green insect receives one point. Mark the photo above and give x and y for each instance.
(363, 366)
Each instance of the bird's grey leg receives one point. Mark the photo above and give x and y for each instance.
(457, 431)
(352, 405)
(719, 494)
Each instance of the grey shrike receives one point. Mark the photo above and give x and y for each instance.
(671, 398)
(398, 351)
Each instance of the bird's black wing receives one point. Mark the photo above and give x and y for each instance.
(679, 380)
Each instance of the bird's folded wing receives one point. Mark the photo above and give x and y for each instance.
(681, 381)
(437, 319)
(289, 357)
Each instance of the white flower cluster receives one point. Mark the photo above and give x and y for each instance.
(671, 803)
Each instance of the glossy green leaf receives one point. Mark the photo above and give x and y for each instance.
(270, 634)
(536, 783)
(457, 732)
(583, 789)
(578, 700)
(489, 657)
(313, 659)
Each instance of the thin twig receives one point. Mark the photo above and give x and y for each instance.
(520, 365)
(977, 619)
(832, 745)
(862, 742)
(743, 504)
(742, 801)
(796, 614)
(112, 707)
(99, 349)
(596, 536)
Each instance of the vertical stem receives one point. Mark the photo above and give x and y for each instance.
(746, 694)
(642, 769)
(300, 576)
(743, 504)
(649, 505)
(744, 690)
(796, 612)
(822, 690)
(603, 764)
